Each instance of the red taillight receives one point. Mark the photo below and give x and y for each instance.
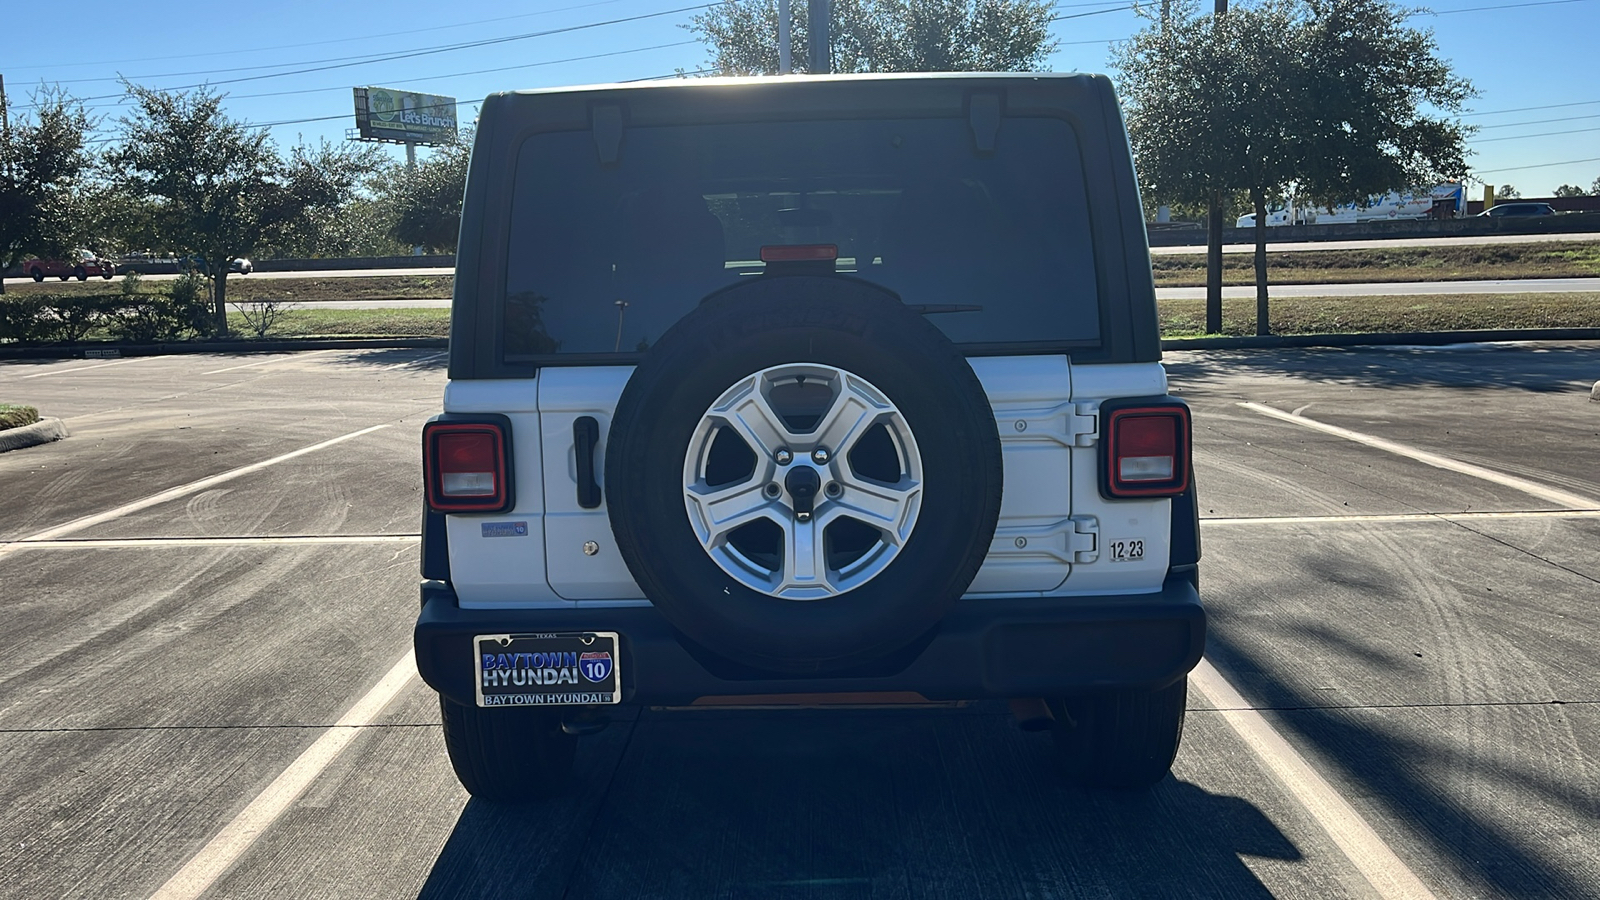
(799, 253)
(1147, 451)
(465, 466)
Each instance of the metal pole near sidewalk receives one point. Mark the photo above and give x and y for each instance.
(1214, 246)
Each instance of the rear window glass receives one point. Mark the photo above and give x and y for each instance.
(995, 247)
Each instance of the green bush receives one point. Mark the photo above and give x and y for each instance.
(191, 303)
(149, 320)
(70, 319)
(131, 283)
(137, 318)
(17, 416)
(20, 319)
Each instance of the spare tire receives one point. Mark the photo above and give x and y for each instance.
(803, 475)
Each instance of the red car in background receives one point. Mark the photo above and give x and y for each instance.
(82, 267)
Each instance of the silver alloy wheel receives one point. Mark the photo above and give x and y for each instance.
(860, 515)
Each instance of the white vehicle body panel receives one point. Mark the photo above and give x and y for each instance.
(1050, 539)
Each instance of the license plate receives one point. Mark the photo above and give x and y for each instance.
(547, 669)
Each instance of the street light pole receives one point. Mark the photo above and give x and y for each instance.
(820, 62)
(1214, 245)
(784, 39)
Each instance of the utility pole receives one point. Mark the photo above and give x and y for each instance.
(784, 39)
(817, 36)
(1214, 245)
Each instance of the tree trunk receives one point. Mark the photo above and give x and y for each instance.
(1263, 321)
(1214, 264)
(219, 297)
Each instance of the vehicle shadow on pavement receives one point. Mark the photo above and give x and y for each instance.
(1440, 773)
(1530, 368)
(846, 804)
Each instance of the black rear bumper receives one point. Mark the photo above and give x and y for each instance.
(990, 648)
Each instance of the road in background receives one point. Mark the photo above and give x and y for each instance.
(1382, 243)
(1421, 638)
(1372, 289)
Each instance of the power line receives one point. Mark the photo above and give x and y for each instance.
(365, 37)
(1496, 112)
(1537, 122)
(425, 51)
(1569, 162)
(547, 62)
(1449, 12)
(1518, 137)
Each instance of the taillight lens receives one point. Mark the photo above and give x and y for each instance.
(1147, 451)
(465, 466)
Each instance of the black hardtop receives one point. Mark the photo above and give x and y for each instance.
(1130, 332)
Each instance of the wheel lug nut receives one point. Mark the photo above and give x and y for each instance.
(783, 456)
(833, 489)
(820, 456)
(772, 490)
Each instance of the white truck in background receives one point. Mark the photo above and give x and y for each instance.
(1416, 204)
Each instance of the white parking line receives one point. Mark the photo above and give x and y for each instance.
(115, 543)
(1378, 864)
(1576, 501)
(1404, 517)
(182, 490)
(203, 869)
(84, 368)
(412, 362)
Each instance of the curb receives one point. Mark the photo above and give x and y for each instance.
(116, 351)
(41, 432)
(1413, 338)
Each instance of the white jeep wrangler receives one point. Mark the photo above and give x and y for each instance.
(806, 389)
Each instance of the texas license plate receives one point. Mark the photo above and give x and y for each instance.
(547, 669)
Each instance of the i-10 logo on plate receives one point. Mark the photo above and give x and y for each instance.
(595, 665)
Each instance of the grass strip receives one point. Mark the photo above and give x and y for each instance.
(1556, 259)
(249, 288)
(1359, 315)
(15, 416)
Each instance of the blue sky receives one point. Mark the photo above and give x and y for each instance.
(1519, 53)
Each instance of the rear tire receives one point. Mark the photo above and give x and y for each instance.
(1120, 738)
(512, 755)
(80, 273)
(37, 273)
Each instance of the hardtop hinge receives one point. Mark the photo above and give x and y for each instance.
(1084, 542)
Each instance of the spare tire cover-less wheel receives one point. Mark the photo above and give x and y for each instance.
(803, 475)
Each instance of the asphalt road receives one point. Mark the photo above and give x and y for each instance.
(1370, 289)
(1379, 244)
(205, 686)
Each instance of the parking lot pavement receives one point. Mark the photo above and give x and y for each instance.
(207, 631)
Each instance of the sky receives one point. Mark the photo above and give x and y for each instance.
(291, 65)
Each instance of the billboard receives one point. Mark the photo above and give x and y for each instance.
(383, 114)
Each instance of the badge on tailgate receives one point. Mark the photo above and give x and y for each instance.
(547, 669)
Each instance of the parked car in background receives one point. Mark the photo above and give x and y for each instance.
(1502, 210)
(197, 263)
(83, 264)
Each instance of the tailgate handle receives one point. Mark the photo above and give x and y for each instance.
(585, 435)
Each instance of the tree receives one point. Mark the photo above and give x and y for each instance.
(1328, 97)
(885, 35)
(1571, 190)
(427, 199)
(1211, 105)
(329, 188)
(217, 186)
(43, 160)
(1507, 192)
